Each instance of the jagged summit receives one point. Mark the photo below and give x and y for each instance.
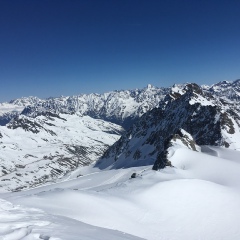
(203, 116)
(229, 90)
(25, 101)
(122, 107)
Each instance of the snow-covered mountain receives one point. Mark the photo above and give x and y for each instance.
(52, 135)
(42, 140)
(182, 132)
(208, 119)
(226, 89)
(42, 149)
(120, 107)
(10, 110)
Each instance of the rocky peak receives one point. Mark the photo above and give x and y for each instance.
(178, 140)
(227, 90)
(121, 107)
(203, 116)
(194, 88)
(25, 101)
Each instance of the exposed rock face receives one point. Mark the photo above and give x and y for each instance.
(227, 90)
(42, 140)
(206, 118)
(12, 109)
(120, 107)
(180, 139)
(5, 118)
(28, 125)
(183, 138)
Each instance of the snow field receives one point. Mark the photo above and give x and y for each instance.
(197, 199)
(27, 157)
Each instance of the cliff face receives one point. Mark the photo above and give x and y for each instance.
(208, 119)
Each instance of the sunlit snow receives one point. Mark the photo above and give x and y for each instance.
(199, 198)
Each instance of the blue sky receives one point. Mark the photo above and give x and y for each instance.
(67, 47)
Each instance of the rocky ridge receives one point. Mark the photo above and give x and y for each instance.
(209, 119)
(121, 107)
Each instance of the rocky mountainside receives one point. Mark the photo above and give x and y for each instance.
(120, 107)
(225, 89)
(12, 109)
(208, 119)
(43, 140)
(42, 149)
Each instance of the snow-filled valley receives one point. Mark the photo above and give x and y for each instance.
(199, 198)
(34, 151)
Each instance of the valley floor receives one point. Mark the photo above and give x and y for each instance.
(197, 199)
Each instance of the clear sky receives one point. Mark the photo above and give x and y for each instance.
(67, 47)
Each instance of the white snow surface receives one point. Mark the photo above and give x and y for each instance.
(8, 107)
(198, 198)
(28, 158)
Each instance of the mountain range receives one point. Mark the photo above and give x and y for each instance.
(42, 140)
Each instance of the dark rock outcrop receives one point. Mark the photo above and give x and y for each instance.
(191, 109)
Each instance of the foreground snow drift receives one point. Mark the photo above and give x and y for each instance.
(197, 199)
(21, 223)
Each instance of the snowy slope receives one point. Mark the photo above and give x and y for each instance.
(210, 121)
(195, 196)
(198, 198)
(38, 145)
(35, 151)
(29, 224)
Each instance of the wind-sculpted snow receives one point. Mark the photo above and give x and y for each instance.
(42, 149)
(196, 199)
(208, 119)
(20, 223)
